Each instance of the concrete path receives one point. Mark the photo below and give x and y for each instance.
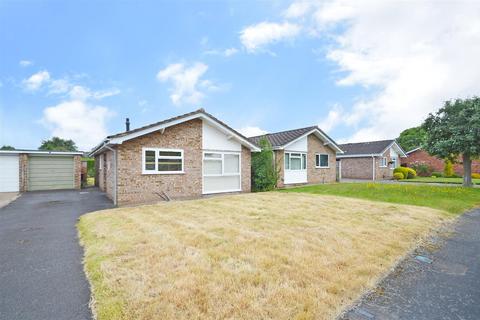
(7, 197)
(439, 281)
(41, 272)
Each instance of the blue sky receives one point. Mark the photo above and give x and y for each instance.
(76, 69)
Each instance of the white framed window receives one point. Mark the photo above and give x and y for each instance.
(322, 160)
(393, 165)
(100, 162)
(221, 172)
(295, 161)
(162, 161)
(383, 161)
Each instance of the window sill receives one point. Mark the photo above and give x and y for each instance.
(322, 167)
(165, 172)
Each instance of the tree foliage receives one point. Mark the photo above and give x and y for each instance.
(454, 130)
(58, 144)
(412, 138)
(264, 172)
(6, 147)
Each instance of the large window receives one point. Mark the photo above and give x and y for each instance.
(162, 161)
(221, 172)
(295, 161)
(321, 160)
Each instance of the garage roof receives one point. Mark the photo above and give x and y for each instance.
(18, 151)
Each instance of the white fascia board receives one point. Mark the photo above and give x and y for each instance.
(162, 126)
(67, 153)
(397, 146)
(324, 138)
(413, 150)
(343, 156)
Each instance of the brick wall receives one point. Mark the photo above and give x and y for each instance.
(436, 163)
(357, 168)
(77, 167)
(319, 175)
(280, 166)
(135, 187)
(383, 173)
(246, 169)
(23, 172)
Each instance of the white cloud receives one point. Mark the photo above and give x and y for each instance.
(79, 121)
(230, 52)
(186, 82)
(297, 9)
(25, 63)
(59, 86)
(333, 119)
(83, 93)
(226, 53)
(36, 80)
(256, 37)
(251, 131)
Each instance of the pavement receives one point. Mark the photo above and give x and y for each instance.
(41, 271)
(7, 197)
(440, 280)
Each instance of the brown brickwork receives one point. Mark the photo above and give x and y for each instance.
(437, 164)
(319, 175)
(280, 166)
(357, 168)
(383, 173)
(246, 169)
(23, 172)
(77, 169)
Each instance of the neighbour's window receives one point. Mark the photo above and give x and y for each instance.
(383, 162)
(321, 160)
(295, 161)
(394, 163)
(162, 161)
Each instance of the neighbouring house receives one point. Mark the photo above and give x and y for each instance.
(186, 156)
(35, 170)
(374, 160)
(420, 156)
(303, 156)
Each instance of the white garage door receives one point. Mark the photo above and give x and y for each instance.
(9, 175)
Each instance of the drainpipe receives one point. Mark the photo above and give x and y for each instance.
(373, 168)
(114, 174)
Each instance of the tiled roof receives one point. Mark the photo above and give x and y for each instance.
(366, 148)
(279, 139)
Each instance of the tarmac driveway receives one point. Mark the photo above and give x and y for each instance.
(41, 272)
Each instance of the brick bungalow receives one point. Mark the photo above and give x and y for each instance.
(183, 157)
(419, 155)
(303, 156)
(374, 160)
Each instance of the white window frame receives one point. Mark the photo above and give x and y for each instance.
(394, 163)
(100, 162)
(319, 162)
(223, 174)
(383, 162)
(302, 157)
(157, 151)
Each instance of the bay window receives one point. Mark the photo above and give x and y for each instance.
(295, 161)
(221, 172)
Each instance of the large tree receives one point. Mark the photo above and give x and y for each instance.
(6, 147)
(412, 138)
(58, 144)
(454, 130)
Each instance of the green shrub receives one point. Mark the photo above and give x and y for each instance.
(264, 172)
(448, 169)
(475, 175)
(411, 174)
(398, 176)
(408, 173)
(422, 169)
(437, 174)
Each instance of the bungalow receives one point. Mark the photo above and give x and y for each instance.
(182, 157)
(374, 160)
(303, 156)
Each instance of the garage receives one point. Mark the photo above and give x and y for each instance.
(9, 173)
(35, 170)
(47, 172)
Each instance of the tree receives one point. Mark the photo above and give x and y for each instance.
(6, 147)
(454, 130)
(412, 138)
(264, 172)
(58, 144)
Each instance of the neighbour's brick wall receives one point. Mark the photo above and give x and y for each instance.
(319, 175)
(135, 187)
(436, 163)
(23, 172)
(357, 168)
(280, 166)
(246, 164)
(77, 169)
(383, 173)
(109, 173)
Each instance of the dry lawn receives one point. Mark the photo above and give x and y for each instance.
(253, 256)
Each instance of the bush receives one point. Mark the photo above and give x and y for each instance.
(448, 169)
(398, 176)
(411, 174)
(408, 173)
(264, 173)
(437, 174)
(475, 175)
(422, 169)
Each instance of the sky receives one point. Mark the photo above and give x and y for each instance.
(361, 70)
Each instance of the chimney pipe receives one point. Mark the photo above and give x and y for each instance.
(127, 124)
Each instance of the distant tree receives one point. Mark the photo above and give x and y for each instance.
(454, 130)
(58, 144)
(412, 138)
(448, 169)
(264, 171)
(5, 147)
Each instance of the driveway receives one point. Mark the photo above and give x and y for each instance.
(41, 272)
(440, 280)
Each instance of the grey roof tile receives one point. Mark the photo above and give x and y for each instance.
(366, 148)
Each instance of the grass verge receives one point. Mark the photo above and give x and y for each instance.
(440, 180)
(454, 200)
(253, 256)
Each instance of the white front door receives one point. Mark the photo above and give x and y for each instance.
(9, 173)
